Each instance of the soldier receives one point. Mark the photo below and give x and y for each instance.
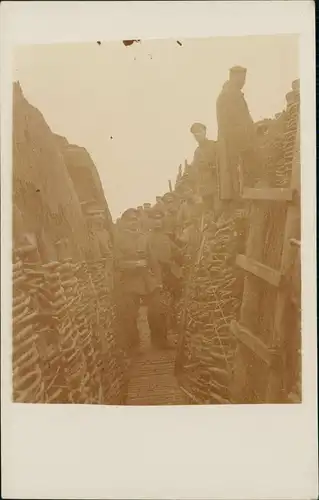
(170, 210)
(138, 276)
(159, 200)
(236, 137)
(170, 260)
(147, 223)
(147, 207)
(99, 232)
(159, 205)
(140, 211)
(204, 166)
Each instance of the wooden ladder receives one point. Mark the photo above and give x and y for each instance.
(251, 348)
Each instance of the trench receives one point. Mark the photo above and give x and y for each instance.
(67, 346)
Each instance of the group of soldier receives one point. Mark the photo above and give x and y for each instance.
(148, 264)
(150, 240)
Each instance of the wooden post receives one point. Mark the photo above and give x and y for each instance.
(275, 390)
(240, 391)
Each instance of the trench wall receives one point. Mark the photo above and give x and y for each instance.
(65, 342)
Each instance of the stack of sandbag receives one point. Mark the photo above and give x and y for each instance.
(86, 313)
(71, 354)
(212, 303)
(27, 377)
(292, 114)
(86, 393)
(96, 319)
(53, 372)
(273, 149)
(115, 354)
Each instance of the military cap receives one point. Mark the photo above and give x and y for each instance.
(156, 213)
(129, 213)
(168, 196)
(197, 127)
(296, 85)
(238, 69)
(290, 97)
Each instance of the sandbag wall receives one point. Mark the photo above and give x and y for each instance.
(210, 302)
(213, 284)
(65, 342)
(65, 346)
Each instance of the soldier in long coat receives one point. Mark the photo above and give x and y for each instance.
(238, 156)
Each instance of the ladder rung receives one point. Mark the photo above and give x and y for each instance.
(263, 272)
(251, 341)
(295, 242)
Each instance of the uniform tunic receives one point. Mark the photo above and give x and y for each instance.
(134, 281)
(204, 168)
(132, 246)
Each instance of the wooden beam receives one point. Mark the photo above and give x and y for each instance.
(263, 272)
(241, 387)
(268, 194)
(295, 242)
(276, 384)
(251, 341)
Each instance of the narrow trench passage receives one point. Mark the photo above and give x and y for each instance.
(151, 376)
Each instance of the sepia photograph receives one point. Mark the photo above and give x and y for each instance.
(158, 250)
(156, 222)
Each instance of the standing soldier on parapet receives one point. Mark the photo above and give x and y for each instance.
(137, 276)
(236, 138)
(203, 167)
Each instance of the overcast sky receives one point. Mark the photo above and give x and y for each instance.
(145, 97)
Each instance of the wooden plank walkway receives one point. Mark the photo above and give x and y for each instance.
(151, 379)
